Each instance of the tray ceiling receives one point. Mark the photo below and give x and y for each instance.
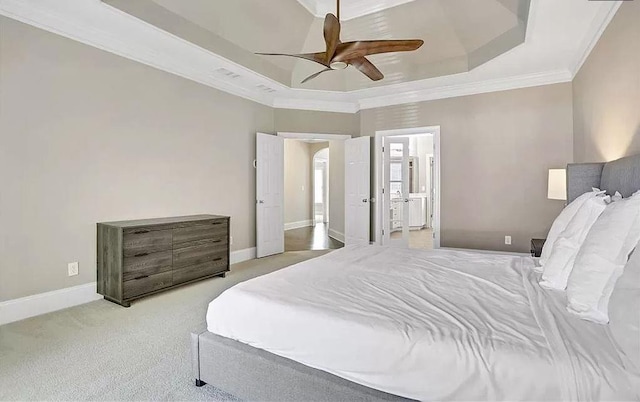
(559, 37)
(459, 34)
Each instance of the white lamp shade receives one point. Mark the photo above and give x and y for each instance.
(557, 184)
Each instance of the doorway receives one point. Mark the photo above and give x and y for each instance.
(349, 191)
(313, 203)
(408, 182)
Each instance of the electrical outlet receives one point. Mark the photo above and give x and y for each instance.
(72, 267)
(507, 240)
(231, 240)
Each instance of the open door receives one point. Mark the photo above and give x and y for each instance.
(396, 192)
(357, 190)
(269, 195)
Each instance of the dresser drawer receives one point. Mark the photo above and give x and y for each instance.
(199, 254)
(144, 241)
(214, 231)
(146, 264)
(147, 284)
(192, 272)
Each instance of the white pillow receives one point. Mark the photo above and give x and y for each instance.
(616, 197)
(602, 258)
(561, 222)
(623, 309)
(558, 267)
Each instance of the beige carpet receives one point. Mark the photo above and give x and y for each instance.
(101, 351)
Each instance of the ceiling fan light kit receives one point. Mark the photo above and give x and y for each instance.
(339, 55)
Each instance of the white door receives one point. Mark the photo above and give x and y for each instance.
(396, 192)
(357, 190)
(269, 195)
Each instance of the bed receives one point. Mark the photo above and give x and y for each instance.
(375, 323)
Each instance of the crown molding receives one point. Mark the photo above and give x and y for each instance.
(104, 27)
(99, 25)
(472, 88)
(597, 28)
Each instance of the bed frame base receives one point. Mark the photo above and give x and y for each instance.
(254, 374)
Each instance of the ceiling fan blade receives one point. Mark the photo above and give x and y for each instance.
(353, 50)
(367, 68)
(331, 35)
(319, 57)
(312, 76)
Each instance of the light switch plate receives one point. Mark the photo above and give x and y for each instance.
(507, 240)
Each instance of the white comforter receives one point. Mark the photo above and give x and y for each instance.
(428, 325)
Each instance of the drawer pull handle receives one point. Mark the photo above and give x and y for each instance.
(218, 259)
(140, 231)
(141, 254)
(217, 241)
(217, 223)
(142, 277)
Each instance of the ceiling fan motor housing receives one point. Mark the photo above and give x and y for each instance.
(338, 65)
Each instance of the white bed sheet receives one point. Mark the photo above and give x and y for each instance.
(428, 325)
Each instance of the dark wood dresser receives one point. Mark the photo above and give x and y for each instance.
(142, 257)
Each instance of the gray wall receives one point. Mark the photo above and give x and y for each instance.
(298, 182)
(86, 136)
(302, 121)
(606, 92)
(496, 150)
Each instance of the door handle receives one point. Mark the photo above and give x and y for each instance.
(260, 201)
(365, 200)
(406, 200)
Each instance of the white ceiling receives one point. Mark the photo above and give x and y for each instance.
(349, 9)
(560, 35)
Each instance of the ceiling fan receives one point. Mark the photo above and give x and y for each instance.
(339, 56)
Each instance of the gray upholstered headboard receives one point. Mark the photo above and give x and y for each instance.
(621, 175)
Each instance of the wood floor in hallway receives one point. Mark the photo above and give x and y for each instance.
(310, 238)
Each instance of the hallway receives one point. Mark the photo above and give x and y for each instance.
(310, 238)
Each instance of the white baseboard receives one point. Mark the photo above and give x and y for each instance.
(31, 306)
(334, 234)
(298, 225)
(243, 255)
(43, 303)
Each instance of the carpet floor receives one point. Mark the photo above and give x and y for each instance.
(101, 351)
